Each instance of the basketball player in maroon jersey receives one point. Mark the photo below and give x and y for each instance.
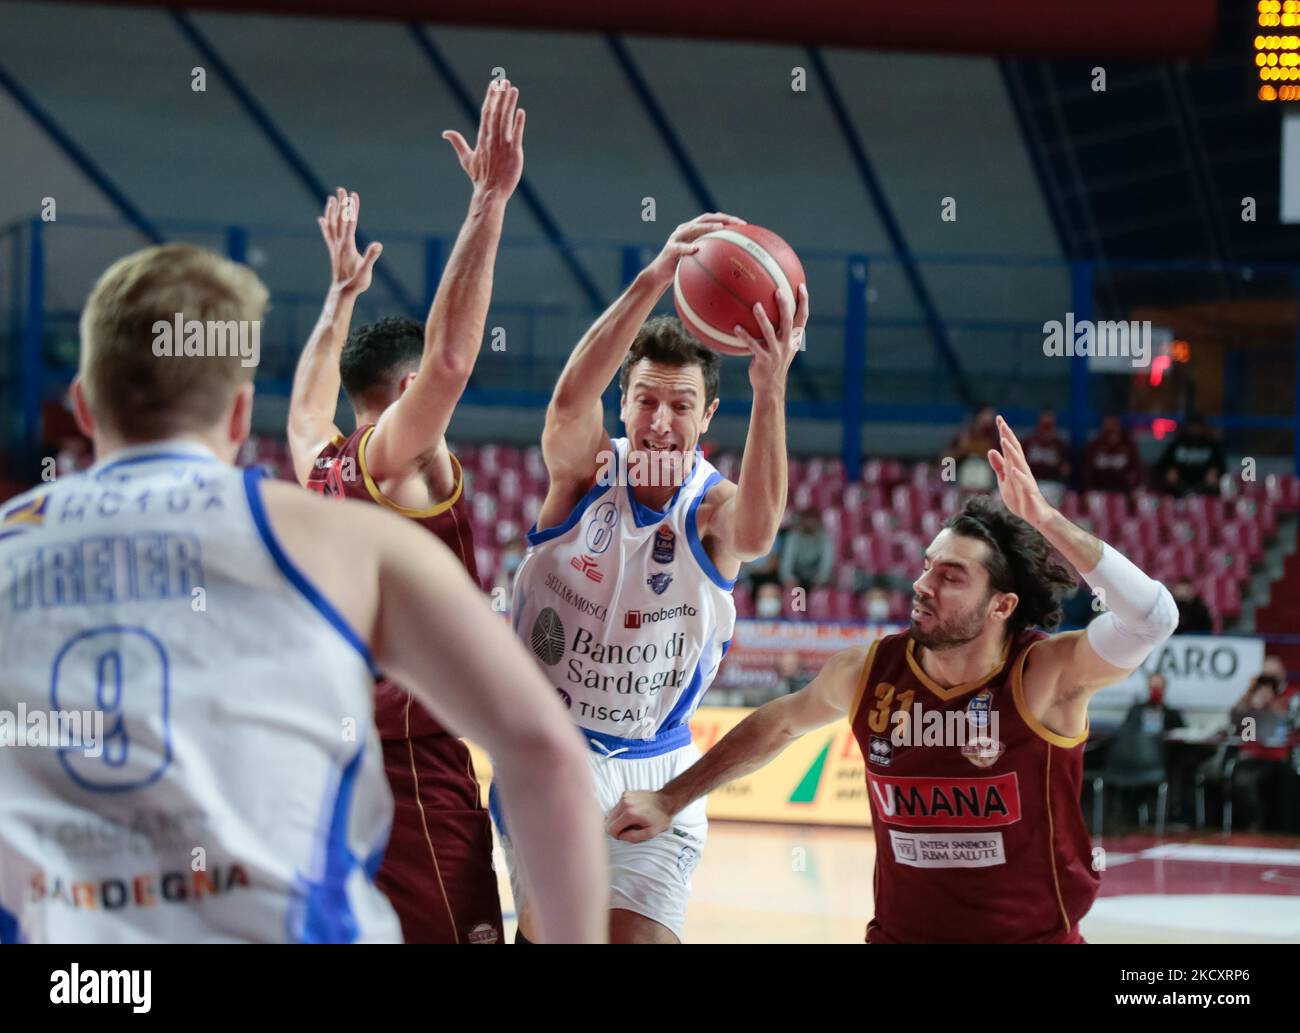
(403, 383)
(980, 841)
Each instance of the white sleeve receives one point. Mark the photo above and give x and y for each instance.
(1140, 612)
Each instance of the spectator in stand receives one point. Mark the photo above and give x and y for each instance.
(1113, 462)
(1049, 457)
(1155, 715)
(1261, 719)
(1193, 461)
(1193, 615)
(511, 556)
(790, 673)
(766, 570)
(1273, 666)
(876, 604)
(807, 554)
(767, 601)
(970, 449)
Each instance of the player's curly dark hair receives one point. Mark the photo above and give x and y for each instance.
(664, 339)
(1019, 560)
(378, 356)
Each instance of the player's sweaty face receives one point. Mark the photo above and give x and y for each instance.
(664, 413)
(950, 600)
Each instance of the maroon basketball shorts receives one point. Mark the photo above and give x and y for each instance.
(437, 871)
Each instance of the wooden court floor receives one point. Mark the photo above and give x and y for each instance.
(805, 884)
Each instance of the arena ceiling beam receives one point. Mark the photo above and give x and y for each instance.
(1153, 30)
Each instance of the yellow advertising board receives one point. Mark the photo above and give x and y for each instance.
(818, 780)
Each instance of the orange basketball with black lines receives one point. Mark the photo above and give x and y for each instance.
(716, 288)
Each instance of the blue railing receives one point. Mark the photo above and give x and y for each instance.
(871, 354)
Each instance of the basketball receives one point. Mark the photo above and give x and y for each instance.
(715, 289)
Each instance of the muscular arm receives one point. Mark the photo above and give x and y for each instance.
(746, 748)
(745, 524)
(574, 433)
(1063, 672)
(432, 631)
(410, 434)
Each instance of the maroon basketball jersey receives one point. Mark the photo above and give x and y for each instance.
(979, 834)
(341, 472)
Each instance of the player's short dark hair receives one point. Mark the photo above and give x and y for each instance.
(377, 356)
(664, 339)
(1018, 560)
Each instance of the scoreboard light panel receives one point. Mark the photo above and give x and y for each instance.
(1277, 50)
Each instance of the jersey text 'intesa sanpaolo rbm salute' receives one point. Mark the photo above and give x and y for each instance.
(625, 610)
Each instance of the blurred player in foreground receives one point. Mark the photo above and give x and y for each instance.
(229, 630)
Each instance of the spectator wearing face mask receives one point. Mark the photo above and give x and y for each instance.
(876, 604)
(1155, 715)
(767, 601)
(1193, 461)
(1112, 462)
(764, 570)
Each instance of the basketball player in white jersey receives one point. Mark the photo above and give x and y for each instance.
(229, 630)
(625, 591)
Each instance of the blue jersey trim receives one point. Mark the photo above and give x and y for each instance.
(693, 538)
(536, 537)
(252, 486)
(643, 515)
(11, 931)
(690, 699)
(322, 912)
(494, 809)
(664, 742)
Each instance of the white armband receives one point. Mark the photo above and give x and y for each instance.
(1140, 612)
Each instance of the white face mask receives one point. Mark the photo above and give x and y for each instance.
(878, 609)
(768, 606)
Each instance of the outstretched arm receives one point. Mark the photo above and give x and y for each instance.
(574, 434)
(315, 394)
(410, 434)
(745, 524)
(754, 742)
(1140, 611)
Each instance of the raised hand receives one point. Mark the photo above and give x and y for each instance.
(350, 271)
(682, 243)
(1019, 489)
(777, 349)
(496, 162)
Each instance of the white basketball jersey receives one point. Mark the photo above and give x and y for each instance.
(626, 612)
(238, 793)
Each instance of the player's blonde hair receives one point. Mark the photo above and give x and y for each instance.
(139, 394)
